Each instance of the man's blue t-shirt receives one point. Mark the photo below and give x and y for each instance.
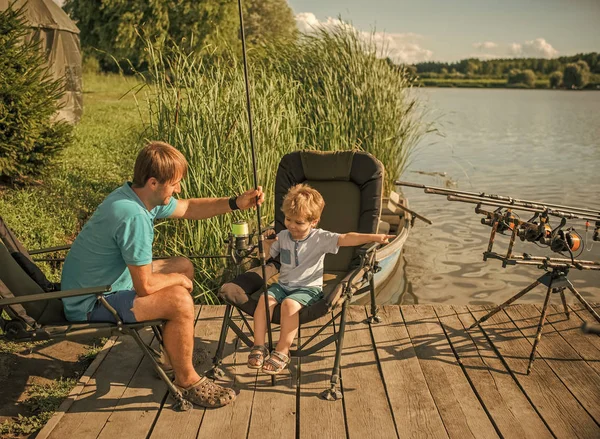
(119, 233)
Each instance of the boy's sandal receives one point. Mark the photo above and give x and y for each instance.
(275, 363)
(257, 357)
(206, 393)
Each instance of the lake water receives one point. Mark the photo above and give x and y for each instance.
(539, 145)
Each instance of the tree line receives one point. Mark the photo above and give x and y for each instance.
(572, 72)
(114, 32)
(501, 67)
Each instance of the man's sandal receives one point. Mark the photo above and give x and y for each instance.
(275, 363)
(206, 393)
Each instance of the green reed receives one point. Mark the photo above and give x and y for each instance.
(328, 91)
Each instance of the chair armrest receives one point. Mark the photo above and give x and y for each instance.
(55, 295)
(367, 248)
(49, 250)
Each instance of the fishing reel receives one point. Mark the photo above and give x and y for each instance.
(535, 230)
(506, 219)
(566, 241)
(240, 241)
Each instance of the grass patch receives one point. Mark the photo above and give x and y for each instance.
(42, 401)
(92, 351)
(52, 211)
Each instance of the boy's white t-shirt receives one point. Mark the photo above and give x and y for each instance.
(302, 261)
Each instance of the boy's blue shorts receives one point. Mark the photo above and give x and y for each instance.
(121, 301)
(303, 295)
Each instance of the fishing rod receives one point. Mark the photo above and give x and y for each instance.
(559, 210)
(261, 252)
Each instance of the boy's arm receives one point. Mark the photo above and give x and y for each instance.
(353, 239)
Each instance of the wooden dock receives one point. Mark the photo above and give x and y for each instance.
(419, 373)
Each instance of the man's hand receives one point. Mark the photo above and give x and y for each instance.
(186, 282)
(249, 198)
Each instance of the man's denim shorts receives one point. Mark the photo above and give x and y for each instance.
(121, 301)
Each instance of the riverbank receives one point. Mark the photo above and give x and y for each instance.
(491, 83)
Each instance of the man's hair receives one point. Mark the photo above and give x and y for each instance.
(303, 201)
(161, 161)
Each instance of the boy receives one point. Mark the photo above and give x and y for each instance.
(302, 249)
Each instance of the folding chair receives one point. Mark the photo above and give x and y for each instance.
(35, 311)
(351, 185)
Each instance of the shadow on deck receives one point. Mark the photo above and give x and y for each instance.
(419, 373)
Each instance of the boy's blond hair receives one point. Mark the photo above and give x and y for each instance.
(303, 201)
(161, 161)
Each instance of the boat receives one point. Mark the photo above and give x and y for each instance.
(394, 221)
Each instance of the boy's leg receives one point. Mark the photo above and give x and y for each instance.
(260, 319)
(290, 322)
(177, 264)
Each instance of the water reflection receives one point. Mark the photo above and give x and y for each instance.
(536, 145)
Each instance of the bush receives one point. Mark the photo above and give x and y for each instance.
(556, 79)
(523, 78)
(576, 75)
(28, 100)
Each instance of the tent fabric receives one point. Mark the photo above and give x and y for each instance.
(59, 41)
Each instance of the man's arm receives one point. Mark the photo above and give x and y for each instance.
(201, 208)
(146, 282)
(353, 239)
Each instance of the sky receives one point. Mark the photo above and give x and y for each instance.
(450, 30)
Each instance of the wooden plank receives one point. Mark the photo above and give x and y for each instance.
(74, 394)
(570, 330)
(513, 414)
(585, 316)
(412, 403)
(315, 377)
(138, 406)
(183, 425)
(461, 411)
(89, 413)
(560, 410)
(581, 380)
(274, 406)
(232, 420)
(368, 412)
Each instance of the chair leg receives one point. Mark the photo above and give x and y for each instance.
(215, 371)
(181, 404)
(374, 310)
(334, 393)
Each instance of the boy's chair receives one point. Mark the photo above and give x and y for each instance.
(351, 185)
(35, 311)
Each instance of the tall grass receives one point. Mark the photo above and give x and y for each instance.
(328, 91)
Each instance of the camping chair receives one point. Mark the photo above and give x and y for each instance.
(351, 185)
(35, 311)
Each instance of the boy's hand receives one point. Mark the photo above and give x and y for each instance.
(248, 199)
(270, 238)
(383, 239)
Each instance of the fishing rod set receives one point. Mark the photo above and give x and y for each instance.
(566, 241)
(501, 213)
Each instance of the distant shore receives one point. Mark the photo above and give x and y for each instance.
(490, 83)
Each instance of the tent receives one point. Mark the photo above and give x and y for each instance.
(59, 40)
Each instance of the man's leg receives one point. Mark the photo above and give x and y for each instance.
(176, 264)
(177, 307)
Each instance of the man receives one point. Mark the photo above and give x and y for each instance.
(115, 247)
